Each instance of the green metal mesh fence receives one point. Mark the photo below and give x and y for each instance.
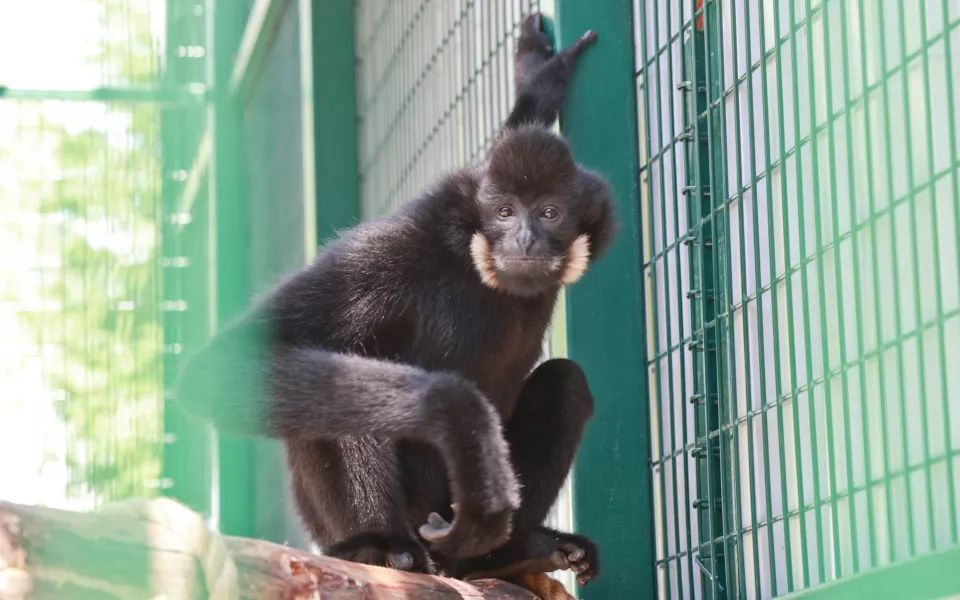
(81, 296)
(434, 81)
(799, 185)
(800, 197)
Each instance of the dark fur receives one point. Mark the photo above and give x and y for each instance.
(401, 384)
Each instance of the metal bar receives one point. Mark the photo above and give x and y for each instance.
(258, 36)
(812, 256)
(955, 189)
(655, 386)
(791, 334)
(730, 535)
(695, 280)
(728, 443)
(609, 344)
(747, 354)
(915, 285)
(185, 94)
(937, 287)
(330, 100)
(674, 185)
(838, 283)
(928, 578)
(858, 297)
(774, 309)
(713, 204)
(197, 174)
(228, 205)
(888, 155)
(734, 408)
(811, 396)
(187, 472)
(875, 273)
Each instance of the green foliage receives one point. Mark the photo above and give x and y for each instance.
(96, 320)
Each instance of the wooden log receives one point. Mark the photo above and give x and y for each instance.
(159, 549)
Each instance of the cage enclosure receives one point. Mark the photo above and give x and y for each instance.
(773, 340)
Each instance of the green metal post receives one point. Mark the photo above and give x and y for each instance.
(605, 312)
(329, 85)
(187, 472)
(235, 455)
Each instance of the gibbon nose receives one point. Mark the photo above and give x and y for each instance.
(526, 240)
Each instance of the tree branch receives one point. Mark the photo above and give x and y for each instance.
(160, 549)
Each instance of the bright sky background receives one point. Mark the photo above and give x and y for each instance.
(44, 45)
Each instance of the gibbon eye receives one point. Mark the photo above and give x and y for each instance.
(505, 212)
(550, 213)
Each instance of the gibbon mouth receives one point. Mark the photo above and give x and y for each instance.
(510, 259)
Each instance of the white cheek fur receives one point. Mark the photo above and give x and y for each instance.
(483, 260)
(578, 259)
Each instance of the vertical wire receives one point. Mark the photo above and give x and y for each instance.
(67, 306)
(414, 107)
(695, 268)
(716, 205)
(821, 295)
(503, 32)
(745, 326)
(658, 453)
(418, 101)
(463, 77)
(34, 207)
(858, 299)
(952, 135)
(683, 361)
(898, 320)
(703, 222)
(397, 156)
(159, 218)
(791, 333)
(841, 322)
(911, 541)
(728, 309)
(938, 291)
(751, 410)
(818, 498)
(875, 275)
(808, 360)
(106, 182)
(775, 317)
(486, 46)
(131, 291)
(915, 280)
(713, 428)
(470, 30)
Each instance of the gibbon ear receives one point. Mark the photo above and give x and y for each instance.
(597, 220)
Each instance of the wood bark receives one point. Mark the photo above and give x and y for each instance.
(158, 549)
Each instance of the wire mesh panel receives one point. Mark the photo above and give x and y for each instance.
(800, 178)
(81, 216)
(434, 81)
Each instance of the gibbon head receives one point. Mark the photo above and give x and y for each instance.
(544, 219)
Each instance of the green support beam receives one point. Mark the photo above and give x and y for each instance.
(330, 116)
(235, 455)
(605, 311)
(932, 577)
(258, 36)
(188, 450)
